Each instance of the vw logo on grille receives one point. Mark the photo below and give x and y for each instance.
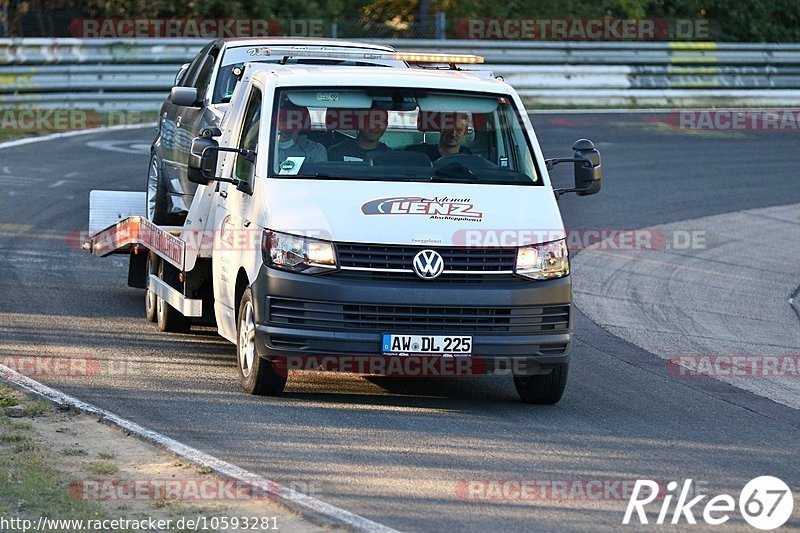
(428, 264)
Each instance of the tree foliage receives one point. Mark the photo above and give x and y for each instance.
(749, 21)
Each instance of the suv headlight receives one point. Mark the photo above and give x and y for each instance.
(543, 261)
(296, 253)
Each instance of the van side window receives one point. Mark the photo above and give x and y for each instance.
(197, 63)
(204, 76)
(248, 140)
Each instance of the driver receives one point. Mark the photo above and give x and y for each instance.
(453, 130)
(371, 125)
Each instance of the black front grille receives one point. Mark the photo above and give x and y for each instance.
(478, 260)
(410, 277)
(403, 318)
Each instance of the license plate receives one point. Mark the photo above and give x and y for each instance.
(459, 345)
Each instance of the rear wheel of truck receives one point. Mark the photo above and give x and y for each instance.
(544, 389)
(168, 318)
(257, 375)
(151, 267)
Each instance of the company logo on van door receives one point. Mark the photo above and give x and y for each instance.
(437, 208)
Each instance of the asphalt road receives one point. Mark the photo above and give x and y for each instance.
(396, 451)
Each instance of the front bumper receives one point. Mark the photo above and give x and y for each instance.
(338, 316)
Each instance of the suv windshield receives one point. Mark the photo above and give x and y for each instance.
(400, 134)
(238, 56)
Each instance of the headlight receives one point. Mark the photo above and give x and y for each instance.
(543, 261)
(297, 253)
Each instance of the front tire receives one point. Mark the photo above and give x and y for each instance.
(257, 375)
(544, 389)
(157, 207)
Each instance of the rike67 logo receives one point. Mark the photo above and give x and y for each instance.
(765, 503)
(438, 207)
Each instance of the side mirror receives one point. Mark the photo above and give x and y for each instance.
(203, 157)
(245, 186)
(184, 96)
(181, 73)
(588, 173)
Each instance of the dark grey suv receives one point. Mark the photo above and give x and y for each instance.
(204, 89)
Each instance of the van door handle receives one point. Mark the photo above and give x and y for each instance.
(246, 223)
(224, 194)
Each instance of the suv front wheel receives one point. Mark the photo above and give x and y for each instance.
(545, 389)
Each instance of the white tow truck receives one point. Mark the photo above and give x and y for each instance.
(420, 222)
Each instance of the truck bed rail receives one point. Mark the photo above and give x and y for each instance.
(137, 230)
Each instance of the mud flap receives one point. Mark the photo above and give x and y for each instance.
(137, 274)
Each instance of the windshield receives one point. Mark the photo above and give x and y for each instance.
(238, 56)
(400, 134)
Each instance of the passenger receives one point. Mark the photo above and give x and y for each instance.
(367, 144)
(294, 120)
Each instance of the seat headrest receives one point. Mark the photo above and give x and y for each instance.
(356, 119)
(438, 120)
(294, 119)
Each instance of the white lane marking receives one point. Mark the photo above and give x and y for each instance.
(12, 180)
(58, 183)
(61, 135)
(119, 146)
(72, 174)
(294, 500)
(6, 170)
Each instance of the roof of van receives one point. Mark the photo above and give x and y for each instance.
(302, 41)
(295, 75)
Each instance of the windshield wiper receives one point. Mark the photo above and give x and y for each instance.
(319, 175)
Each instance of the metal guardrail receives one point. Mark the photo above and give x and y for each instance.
(107, 74)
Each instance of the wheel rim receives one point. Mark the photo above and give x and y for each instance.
(159, 301)
(149, 295)
(247, 340)
(159, 309)
(152, 188)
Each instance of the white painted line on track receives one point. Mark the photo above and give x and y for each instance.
(311, 508)
(74, 133)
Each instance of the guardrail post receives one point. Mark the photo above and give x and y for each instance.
(334, 29)
(4, 16)
(441, 24)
